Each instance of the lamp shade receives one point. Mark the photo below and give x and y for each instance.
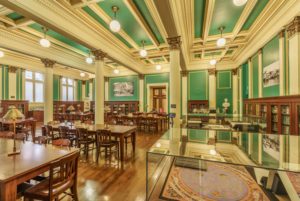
(115, 26)
(213, 62)
(71, 108)
(45, 42)
(158, 67)
(143, 53)
(89, 60)
(239, 2)
(13, 113)
(116, 71)
(1, 54)
(221, 42)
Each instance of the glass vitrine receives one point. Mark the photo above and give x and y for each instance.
(190, 164)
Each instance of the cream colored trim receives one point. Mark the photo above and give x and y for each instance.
(208, 17)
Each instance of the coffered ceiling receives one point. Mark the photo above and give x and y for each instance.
(77, 26)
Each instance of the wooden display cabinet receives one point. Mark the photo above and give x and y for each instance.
(62, 106)
(123, 107)
(197, 105)
(21, 105)
(281, 114)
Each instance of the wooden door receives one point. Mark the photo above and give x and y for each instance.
(159, 99)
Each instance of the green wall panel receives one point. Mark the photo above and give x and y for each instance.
(259, 6)
(134, 79)
(270, 54)
(154, 79)
(224, 90)
(79, 90)
(198, 85)
(255, 74)
(245, 82)
(5, 83)
(19, 84)
(87, 88)
(56, 87)
(199, 11)
(94, 89)
(200, 136)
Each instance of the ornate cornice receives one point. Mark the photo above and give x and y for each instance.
(48, 63)
(293, 27)
(212, 71)
(99, 55)
(259, 51)
(184, 73)
(281, 33)
(141, 76)
(12, 69)
(235, 71)
(174, 42)
(106, 79)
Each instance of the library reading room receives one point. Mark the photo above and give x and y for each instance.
(150, 100)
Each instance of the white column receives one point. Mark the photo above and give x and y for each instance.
(83, 90)
(184, 93)
(240, 91)
(235, 91)
(281, 64)
(250, 79)
(212, 89)
(106, 89)
(175, 79)
(91, 89)
(12, 77)
(99, 86)
(260, 95)
(141, 92)
(48, 90)
(294, 52)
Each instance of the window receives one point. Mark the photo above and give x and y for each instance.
(34, 86)
(67, 89)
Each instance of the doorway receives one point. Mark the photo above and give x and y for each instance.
(158, 99)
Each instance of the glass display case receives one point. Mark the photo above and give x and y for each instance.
(189, 164)
(274, 119)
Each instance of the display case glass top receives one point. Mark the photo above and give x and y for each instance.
(268, 151)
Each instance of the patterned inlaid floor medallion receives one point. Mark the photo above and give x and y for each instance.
(218, 182)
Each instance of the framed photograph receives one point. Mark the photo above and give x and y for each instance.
(271, 75)
(122, 89)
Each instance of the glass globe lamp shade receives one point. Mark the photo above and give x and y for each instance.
(239, 2)
(89, 60)
(212, 152)
(116, 71)
(1, 54)
(45, 42)
(213, 62)
(115, 26)
(221, 42)
(82, 74)
(158, 67)
(143, 53)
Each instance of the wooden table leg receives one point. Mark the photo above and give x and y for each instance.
(33, 127)
(133, 141)
(8, 191)
(122, 147)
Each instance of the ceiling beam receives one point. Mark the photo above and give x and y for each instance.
(209, 10)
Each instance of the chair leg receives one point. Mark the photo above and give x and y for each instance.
(74, 192)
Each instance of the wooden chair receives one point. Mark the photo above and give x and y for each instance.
(83, 138)
(62, 177)
(62, 142)
(6, 134)
(52, 133)
(41, 140)
(103, 139)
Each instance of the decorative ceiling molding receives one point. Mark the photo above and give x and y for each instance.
(207, 18)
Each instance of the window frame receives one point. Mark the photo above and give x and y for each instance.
(67, 85)
(34, 81)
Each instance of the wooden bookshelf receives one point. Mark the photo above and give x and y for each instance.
(198, 105)
(62, 106)
(281, 114)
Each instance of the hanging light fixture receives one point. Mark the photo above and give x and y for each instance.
(115, 25)
(158, 67)
(143, 52)
(213, 62)
(239, 2)
(221, 42)
(116, 71)
(44, 42)
(82, 74)
(1, 53)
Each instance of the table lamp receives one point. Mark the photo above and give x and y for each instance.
(71, 108)
(13, 114)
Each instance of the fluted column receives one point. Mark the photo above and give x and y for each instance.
(106, 88)
(141, 92)
(99, 86)
(240, 92)
(184, 94)
(293, 30)
(260, 94)
(212, 89)
(235, 91)
(48, 88)
(250, 79)
(281, 63)
(175, 92)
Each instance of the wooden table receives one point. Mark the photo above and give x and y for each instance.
(31, 122)
(34, 160)
(118, 131)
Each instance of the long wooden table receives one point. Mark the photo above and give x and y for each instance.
(34, 160)
(118, 131)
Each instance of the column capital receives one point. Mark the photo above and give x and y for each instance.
(48, 62)
(212, 71)
(249, 60)
(281, 33)
(99, 55)
(293, 27)
(184, 73)
(174, 42)
(91, 80)
(106, 79)
(259, 51)
(12, 69)
(141, 76)
(235, 71)
(83, 82)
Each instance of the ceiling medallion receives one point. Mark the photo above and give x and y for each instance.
(115, 25)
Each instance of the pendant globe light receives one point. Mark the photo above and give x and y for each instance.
(82, 74)
(143, 52)
(89, 59)
(239, 2)
(1, 54)
(116, 71)
(44, 42)
(213, 62)
(115, 25)
(221, 42)
(158, 67)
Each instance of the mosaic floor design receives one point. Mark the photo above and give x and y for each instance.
(219, 182)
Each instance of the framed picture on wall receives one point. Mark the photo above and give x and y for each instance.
(271, 74)
(122, 89)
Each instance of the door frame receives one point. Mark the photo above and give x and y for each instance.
(164, 84)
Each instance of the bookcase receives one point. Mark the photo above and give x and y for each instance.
(281, 114)
(198, 106)
(21, 105)
(62, 106)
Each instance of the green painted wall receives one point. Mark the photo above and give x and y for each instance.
(134, 79)
(270, 54)
(198, 85)
(94, 89)
(255, 74)
(56, 87)
(5, 83)
(79, 90)
(224, 89)
(153, 79)
(87, 88)
(19, 84)
(245, 82)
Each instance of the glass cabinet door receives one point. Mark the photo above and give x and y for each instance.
(285, 119)
(274, 119)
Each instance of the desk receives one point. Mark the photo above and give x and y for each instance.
(118, 131)
(31, 122)
(33, 161)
